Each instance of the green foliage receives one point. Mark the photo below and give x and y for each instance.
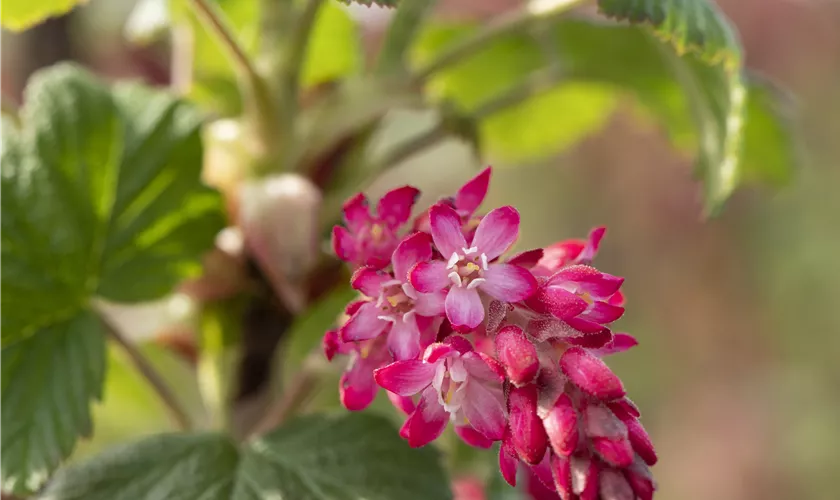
(700, 97)
(695, 26)
(101, 198)
(541, 126)
(18, 15)
(48, 382)
(354, 456)
(333, 51)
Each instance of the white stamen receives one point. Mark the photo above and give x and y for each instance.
(409, 291)
(453, 260)
(388, 318)
(458, 372)
(391, 283)
(484, 261)
(409, 316)
(470, 250)
(455, 278)
(475, 282)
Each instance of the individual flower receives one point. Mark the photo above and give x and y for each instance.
(369, 240)
(455, 384)
(470, 268)
(395, 308)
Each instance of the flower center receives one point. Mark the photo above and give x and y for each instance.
(450, 379)
(467, 268)
(396, 300)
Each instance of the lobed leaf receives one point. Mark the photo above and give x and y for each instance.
(349, 457)
(101, 198)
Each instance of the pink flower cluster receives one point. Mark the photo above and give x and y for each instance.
(506, 349)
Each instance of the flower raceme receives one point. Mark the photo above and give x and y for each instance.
(506, 349)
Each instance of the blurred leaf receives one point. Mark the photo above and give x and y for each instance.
(18, 15)
(333, 51)
(540, 127)
(735, 130)
(99, 188)
(48, 383)
(351, 457)
(695, 26)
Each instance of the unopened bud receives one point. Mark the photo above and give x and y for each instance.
(279, 218)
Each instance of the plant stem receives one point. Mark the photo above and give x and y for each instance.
(290, 71)
(515, 21)
(148, 372)
(402, 31)
(259, 107)
(223, 35)
(294, 396)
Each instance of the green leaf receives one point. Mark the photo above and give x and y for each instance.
(17, 15)
(333, 51)
(733, 129)
(542, 126)
(350, 457)
(48, 383)
(101, 198)
(691, 26)
(182, 466)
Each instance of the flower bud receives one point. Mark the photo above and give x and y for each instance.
(279, 217)
(561, 426)
(591, 374)
(518, 355)
(527, 431)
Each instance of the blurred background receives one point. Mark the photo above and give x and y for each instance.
(738, 371)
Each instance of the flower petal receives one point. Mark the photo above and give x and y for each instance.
(430, 304)
(517, 355)
(620, 343)
(446, 230)
(412, 250)
(615, 451)
(592, 245)
(527, 431)
(471, 194)
(429, 277)
(558, 302)
(472, 437)
(464, 308)
(406, 377)
(357, 388)
(394, 208)
(368, 281)
(403, 403)
(484, 410)
(404, 339)
(588, 279)
(344, 244)
(508, 462)
(356, 213)
(603, 313)
(561, 426)
(483, 367)
(496, 232)
(363, 325)
(542, 471)
(428, 421)
(527, 259)
(508, 283)
(613, 486)
(561, 471)
(438, 350)
(560, 254)
(591, 374)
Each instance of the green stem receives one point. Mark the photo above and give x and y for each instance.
(403, 29)
(259, 107)
(513, 22)
(290, 71)
(148, 372)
